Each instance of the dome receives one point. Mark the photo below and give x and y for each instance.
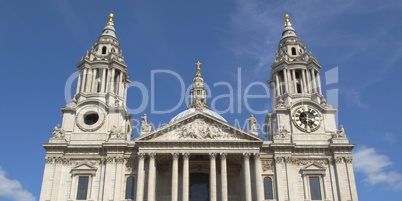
(109, 31)
(192, 110)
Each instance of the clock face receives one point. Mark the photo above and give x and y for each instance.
(307, 119)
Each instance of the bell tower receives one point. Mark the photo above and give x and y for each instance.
(98, 109)
(300, 113)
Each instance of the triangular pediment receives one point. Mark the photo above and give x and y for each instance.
(84, 168)
(313, 166)
(199, 127)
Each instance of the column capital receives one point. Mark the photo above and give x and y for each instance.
(212, 155)
(141, 155)
(152, 155)
(246, 155)
(257, 155)
(175, 155)
(223, 155)
(186, 155)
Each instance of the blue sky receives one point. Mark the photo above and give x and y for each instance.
(41, 41)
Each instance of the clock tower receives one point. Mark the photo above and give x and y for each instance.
(302, 126)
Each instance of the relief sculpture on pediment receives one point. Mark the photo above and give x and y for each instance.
(197, 130)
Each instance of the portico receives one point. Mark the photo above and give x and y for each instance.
(177, 169)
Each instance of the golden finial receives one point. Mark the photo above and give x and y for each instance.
(111, 17)
(198, 69)
(287, 22)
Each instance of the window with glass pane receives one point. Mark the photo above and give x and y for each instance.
(130, 187)
(315, 188)
(268, 191)
(82, 187)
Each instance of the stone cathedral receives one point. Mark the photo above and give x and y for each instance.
(198, 156)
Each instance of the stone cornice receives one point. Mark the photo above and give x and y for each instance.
(342, 148)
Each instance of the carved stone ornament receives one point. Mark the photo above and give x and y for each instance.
(110, 159)
(223, 155)
(246, 155)
(290, 160)
(310, 161)
(145, 126)
(186, 155)
(212, 156)
(131, 165)
(119, 159)
(266, 165)
(279, 159)
(116, 133)
(58, 132)
(141, 155)
(338, 159)
(198, 129)
(349, 159)
(253, 123)
(282, 132)
(175, 155)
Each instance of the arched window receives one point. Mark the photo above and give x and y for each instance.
(293, 51)
(104, 50)
(130, 188)
(268, 190)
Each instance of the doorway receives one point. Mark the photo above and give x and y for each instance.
(199, 187)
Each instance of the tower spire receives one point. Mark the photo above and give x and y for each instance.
(198, 92)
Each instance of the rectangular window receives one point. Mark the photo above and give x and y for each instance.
(82, 187)
(315, 188)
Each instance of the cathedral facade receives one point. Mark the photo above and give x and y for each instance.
(198, 155)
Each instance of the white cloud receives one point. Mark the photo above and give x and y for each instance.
(12, 189)
(373, 165)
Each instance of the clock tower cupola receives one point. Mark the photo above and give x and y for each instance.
(300, 113)
(98, 110)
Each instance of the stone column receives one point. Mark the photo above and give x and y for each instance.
(111, 83)
(313, 80)
(107, 80)
(224, 179)
(78, 83)
(351, 177)
(294, 81)
(340, 171)
(280, 179)
(247, 178)
(140, 177)
(186, 177)
(278, 85)
(120, 91)
(93, 85)
(309, 82)
(175, 176)
(305, 89)
(258, 178)
(119, 177)
(212, 177)
(103, 80)
(125, 93)
(289, 79)
(285, 77)
(84, 79)
(88, 80)
(319, 83)
(151, 177)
